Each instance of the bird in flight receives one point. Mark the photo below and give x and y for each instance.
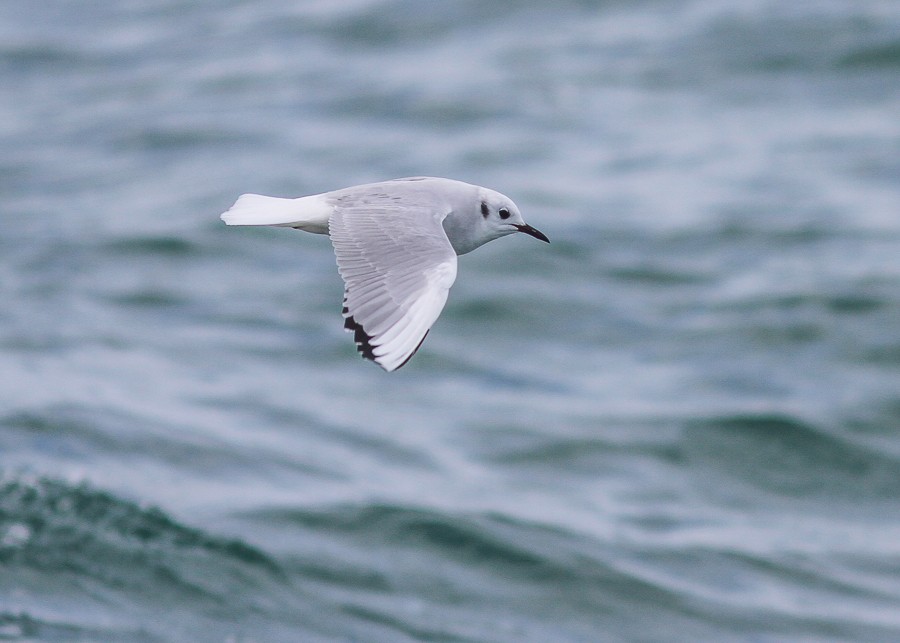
(396, 244)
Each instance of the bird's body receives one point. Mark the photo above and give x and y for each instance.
(396, 244)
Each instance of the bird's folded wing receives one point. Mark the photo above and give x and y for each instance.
(398, 266)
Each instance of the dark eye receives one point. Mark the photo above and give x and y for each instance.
(503, 212)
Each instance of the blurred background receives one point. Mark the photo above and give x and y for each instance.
(678, 421)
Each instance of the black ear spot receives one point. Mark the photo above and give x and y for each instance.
(504, 213)
(485, 211)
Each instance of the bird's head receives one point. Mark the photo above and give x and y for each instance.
(494, 216)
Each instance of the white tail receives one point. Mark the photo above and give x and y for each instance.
(308, 213)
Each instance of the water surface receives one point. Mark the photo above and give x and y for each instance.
(679, 421)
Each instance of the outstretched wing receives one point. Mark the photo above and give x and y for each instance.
(397, 265)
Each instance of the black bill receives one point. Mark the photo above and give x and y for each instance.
(534, 232)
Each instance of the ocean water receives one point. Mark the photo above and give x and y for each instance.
(680, 421)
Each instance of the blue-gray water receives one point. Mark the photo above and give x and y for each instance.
(680, 421)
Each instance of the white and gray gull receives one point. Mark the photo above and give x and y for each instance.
(396, 244)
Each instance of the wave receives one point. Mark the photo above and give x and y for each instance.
(15, 626)
(73, 557)
(785, 454)
(56, 526)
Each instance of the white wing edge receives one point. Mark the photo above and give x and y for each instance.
(396, 345)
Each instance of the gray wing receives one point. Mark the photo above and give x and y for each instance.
(397, 265)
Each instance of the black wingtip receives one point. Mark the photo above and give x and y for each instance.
(360, 336)
(364, 340)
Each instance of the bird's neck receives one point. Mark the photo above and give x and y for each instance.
(463, 236)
